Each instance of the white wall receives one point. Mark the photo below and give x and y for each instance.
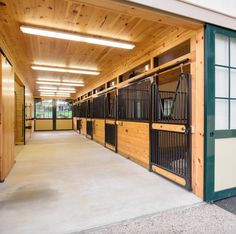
(218, 12)
(227, 7)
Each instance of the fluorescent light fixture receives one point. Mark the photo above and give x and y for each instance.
(62, 95)
(47, 95)
(49, 79)
(61, 91)
(47, 87)
(76, 37)
(72, 89)
(72, 81)
(59, 83)
(55, 88)
(64, 70)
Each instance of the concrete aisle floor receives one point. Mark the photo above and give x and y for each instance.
(65, 183)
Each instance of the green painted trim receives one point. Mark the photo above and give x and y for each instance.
(209, 116)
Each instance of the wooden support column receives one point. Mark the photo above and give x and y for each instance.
(197, 71)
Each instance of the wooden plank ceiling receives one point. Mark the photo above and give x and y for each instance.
(102, 18)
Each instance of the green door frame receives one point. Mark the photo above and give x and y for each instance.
(210, 133)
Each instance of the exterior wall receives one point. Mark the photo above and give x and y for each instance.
(217, 6)
(187, 9)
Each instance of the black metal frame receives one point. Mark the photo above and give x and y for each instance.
(99, 107)
(111, 114)
(133, 101)
(89, 121)
(170, 150)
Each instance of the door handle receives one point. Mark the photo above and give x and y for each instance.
(212, 134)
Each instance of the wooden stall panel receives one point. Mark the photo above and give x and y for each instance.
(99, 131)
(64, 124)
(43, 125)
(7, 117)
(83, 126)
(133, 141)
(75, 124)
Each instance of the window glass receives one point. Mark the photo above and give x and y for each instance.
(232, 52)
(221, 82)
(233, 83)
(221, 50)
(225, 82)
(233, 114)
(221, 114)
(43, 108)
(63, 109)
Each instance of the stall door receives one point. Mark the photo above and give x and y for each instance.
(110, 121)
(89, 123)
(170, 131)
(220, 113)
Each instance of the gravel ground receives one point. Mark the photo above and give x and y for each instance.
(201, 218)
(228, 204)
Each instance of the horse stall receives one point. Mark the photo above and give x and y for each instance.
(110, 120)
(76, 119)
(153, 109)
(83, 117)
(170, 124)
(89, 120)
(98, 119)
(133, 122)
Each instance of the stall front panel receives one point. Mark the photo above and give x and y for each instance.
(133, 121)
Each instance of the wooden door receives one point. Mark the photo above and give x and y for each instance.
(7, 118)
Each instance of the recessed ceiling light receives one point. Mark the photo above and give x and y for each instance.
(58, 83)
(76, 37)
(64, 70)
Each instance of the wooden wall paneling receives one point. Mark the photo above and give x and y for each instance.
(64, 124)
(133, 141)
(43, 124)
(197, 71)
(75, 124)
(145, 52)
(19, 113)
(83, 126)
(99, 131)
(7, 107)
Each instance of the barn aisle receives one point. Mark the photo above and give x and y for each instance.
(64, 183)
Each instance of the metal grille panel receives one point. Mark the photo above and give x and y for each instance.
(110, 134)
(171, 150)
